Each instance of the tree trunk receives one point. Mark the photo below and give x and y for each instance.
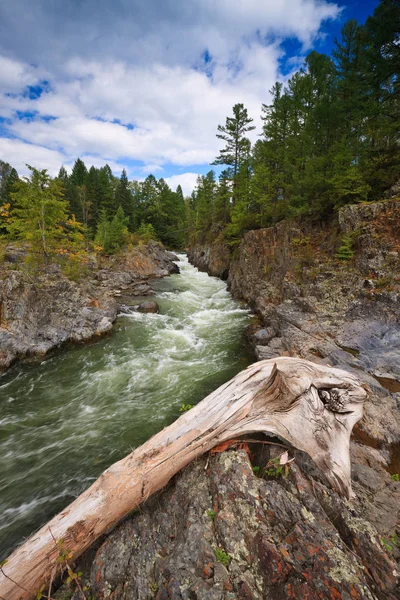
(313, 407)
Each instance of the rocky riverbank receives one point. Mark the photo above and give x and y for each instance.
(38, 314)
(331, 294)
(325, 293)
(222, 532)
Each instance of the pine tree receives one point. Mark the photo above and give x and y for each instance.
(111, 235)
(8, 177)
(234, 134)
(106, 191)
(118, 231)
(123, 196)
(63, 176)
(39, 214)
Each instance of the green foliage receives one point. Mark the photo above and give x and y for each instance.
(346, 249)
(222, 557)
(390, 543)
(396, 477)
(256, 469)
(276, 469)
(112, 235)
(185, 407)
(39, 215)
(211, 514)
(145, 234)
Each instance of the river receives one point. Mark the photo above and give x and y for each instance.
(64, 421)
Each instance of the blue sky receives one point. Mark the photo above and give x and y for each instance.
(144, 85)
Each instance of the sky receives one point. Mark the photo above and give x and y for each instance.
(143, 85)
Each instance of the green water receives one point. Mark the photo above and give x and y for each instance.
(64, 421)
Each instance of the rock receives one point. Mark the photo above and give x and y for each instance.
(219, 532)
(39, 315)
(150, 306)
(214, 260)
(263, 336)
(15, 254)
(172, 256)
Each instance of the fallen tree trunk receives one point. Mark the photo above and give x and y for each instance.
(313, 407)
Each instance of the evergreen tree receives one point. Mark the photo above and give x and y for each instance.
(39, 214)
(117, 232)
(106, 194)
(123, 196)
(63, 176)
(111, 236)
(234, 134)
(8, 177)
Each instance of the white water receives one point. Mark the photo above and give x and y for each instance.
(64, 421)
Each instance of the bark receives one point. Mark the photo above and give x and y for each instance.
(313, 407)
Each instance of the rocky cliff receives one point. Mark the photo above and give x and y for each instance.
(331, 293)
(39, 313)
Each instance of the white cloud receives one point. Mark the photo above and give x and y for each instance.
(128, 82)
(18, 154)
(187, 181)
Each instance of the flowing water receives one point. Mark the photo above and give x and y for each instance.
(64, 421)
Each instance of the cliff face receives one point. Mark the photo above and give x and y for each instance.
(312, 303)
(41, 313)
(331, 294)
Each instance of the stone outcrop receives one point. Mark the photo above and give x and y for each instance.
(40, 313)
(316, 305)
(214, 260)
(331, 294)
(220, 531)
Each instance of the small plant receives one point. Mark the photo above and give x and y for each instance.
(396, 477)
(301, 242)
(274, 469)
(256, 469)
(279, 466)
(211, 514)
(383, 282)
(346, 249)
(222, 557)
(390, 543)
(185, 407)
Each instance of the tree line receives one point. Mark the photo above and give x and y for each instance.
(88, 209)
(330, 137)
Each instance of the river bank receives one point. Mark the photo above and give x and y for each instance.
(39, 313)
(65, 420)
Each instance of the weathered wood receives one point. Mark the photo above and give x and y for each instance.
(313, 407)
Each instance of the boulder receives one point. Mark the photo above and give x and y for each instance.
(221, 532)
(149, 306)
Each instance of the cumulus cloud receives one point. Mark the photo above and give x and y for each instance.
(18, 154)
(187, 181)
(133, 81)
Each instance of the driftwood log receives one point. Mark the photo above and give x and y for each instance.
(313, 407)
